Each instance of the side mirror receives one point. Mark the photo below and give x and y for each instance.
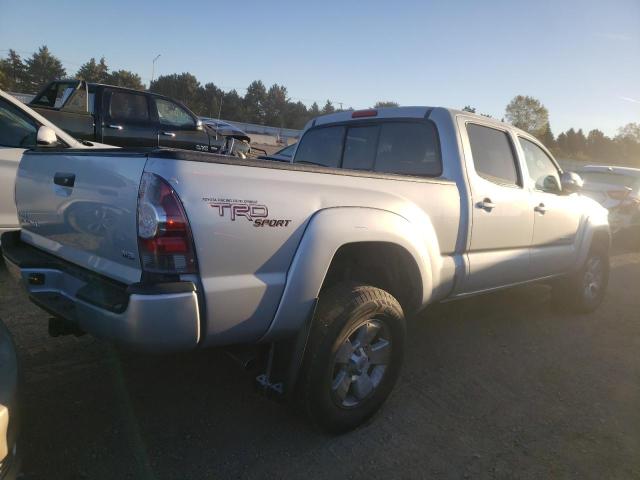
(550, 184)
(46, 137)
(199, 125)
(571, 182)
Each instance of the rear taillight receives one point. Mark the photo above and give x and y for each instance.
(164, 236)
(618, 194)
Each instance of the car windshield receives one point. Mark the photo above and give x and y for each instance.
(287, 151)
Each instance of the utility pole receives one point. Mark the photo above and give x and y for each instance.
(153, 68)
(220, 109)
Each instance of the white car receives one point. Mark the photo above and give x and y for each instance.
(22, 128)
(618, 190)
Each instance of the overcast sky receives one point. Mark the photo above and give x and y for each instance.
(580, 58)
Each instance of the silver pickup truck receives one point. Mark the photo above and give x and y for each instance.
(380, 213)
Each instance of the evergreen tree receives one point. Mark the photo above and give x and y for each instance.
(94, 72)
(314, 110)
(581, 143)
(546, 137)
(14, 72)
(599, 145)
(296, 115)
(386, 104)
(42, 67)
(125, 78)
(572, 142)
(328, 108)
(232, 106)
(562, 144)
(183, 87)
(275, 105)
(254, 102)
(211, 100)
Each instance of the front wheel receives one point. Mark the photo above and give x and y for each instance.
(584, 291)
(354, 356)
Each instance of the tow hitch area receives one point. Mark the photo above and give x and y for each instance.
(59, 327)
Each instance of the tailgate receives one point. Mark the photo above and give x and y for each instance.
(82, 207)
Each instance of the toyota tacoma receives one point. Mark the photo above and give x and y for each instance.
(320, 260)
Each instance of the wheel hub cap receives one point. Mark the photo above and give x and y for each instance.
(593, 278)
(360, 363)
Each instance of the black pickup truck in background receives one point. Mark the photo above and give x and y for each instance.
(121, 116)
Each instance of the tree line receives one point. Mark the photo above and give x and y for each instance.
(265, 106)
(529, 114)
(273, 106)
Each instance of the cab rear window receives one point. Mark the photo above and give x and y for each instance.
(322, 146)
(399, 147)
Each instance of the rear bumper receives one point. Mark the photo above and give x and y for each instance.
(160, 317)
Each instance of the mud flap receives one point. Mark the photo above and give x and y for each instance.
(285, 361)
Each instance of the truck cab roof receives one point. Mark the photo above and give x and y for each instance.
(414, 112)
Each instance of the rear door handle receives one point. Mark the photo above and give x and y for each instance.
(540, 208)
(115, 127)
(486, 204)
(168, 134)
(64, 179)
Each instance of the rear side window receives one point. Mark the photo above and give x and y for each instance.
(409, 149)
(322, 146)
(493, 156)
(128, 106)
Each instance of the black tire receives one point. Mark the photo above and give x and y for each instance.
(346, 314)
(573, 293)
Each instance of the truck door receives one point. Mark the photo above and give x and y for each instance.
(557, 218)
(178, 128)
(17, 132)
(126, 119)
(501, 214)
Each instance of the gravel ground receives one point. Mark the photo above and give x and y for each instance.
(499, 386)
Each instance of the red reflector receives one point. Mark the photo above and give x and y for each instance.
(164, 245)
(372, 112)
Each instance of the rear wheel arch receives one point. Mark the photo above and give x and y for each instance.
(601, 240)
(328, 236)
(385, 265)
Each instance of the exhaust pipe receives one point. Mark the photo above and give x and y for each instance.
(245, 356)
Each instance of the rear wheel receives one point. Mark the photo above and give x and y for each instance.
(584, 290)
(354, 356)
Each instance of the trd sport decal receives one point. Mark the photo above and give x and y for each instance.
(251, 210)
